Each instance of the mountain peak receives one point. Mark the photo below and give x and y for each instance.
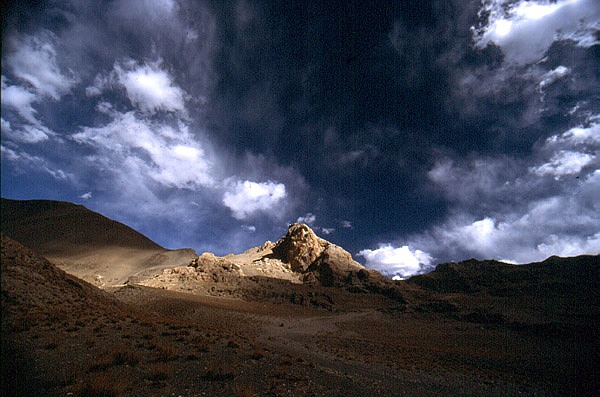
(300, 247)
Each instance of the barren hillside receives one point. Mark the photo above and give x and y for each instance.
(85, 243)
(298, 317)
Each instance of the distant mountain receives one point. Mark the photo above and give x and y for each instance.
(83, 242)
(473, 276)
(279, 270)
(558, 296)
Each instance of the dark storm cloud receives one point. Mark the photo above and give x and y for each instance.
(420, 124)
(324, 88)
(117, 96)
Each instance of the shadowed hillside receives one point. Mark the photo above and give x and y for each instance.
(298, 317)
(53, 227)
(83, 242)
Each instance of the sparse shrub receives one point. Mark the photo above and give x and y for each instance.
(21, 324)
(280, 373)
(160, 372)
(52, 342)
(192, 357)
(119, 356)
(217, 371)
(283, 374)
(166, 353)
(287, 360)
(233, 345)
(124, 356)
(257, 353)
(103, 385)
(243, 390)
(201, 344)
(51, 345)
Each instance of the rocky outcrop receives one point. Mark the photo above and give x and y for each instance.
(334, 267)
(318, 260)
(300, 247)
(299, 257)
(217, 268)
(329, 265)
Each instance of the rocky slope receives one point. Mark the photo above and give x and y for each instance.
(274, 270)
(469, 328)
(31, 286)
(85, 243)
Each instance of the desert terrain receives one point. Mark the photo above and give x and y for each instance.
(297, 317)
(85, 243)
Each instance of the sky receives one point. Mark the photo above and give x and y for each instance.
(409, 133)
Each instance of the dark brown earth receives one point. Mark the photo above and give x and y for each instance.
(472, 328)
(85, 243)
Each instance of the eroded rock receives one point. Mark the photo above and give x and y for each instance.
(300, 247)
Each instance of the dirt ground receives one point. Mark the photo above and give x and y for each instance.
(64, 337)
(168, 343)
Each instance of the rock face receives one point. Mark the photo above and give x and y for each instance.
(335, 267)
(299, 257)
(318, 260)
(300, 247)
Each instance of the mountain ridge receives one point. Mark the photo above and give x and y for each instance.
(304, 313)
(275, 270)
(83, 242)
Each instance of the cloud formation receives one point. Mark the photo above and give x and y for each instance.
(246, 198)
(29, 163)
(309, 219)
(20, 99)
(505, 210)
(525, 30)
(33, 61)
(451, 128)
(175, 158)
(398, 262)
(148, 87)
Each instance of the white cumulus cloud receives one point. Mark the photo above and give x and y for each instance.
(150, 88)
(245, 198)
(400, 262)
(21, 100)
(309, 219)
(525, 30)
(502, 208)
(249, 228)
(154, 150)
(564, 162)
(346, 224)
(553, 75)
